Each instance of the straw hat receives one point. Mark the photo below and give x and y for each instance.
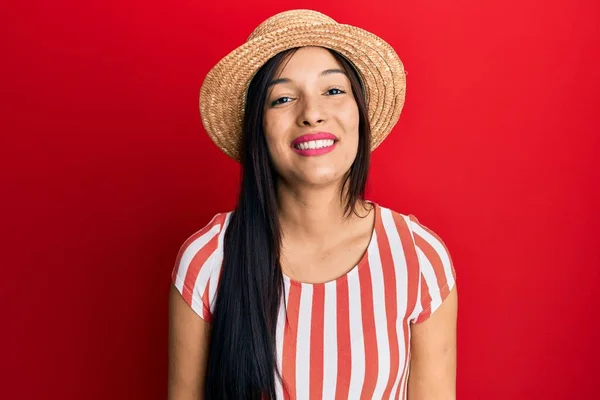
(223, 92)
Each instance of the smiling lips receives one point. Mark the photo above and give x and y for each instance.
(314, 144)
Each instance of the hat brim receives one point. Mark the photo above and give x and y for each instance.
(223, 92)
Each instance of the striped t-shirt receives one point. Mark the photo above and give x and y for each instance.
(347, 338)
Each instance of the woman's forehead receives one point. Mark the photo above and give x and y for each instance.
(308, 62)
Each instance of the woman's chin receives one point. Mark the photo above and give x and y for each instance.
(321, 176)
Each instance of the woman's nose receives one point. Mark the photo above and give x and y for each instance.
(311, 113)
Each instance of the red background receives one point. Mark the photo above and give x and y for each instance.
(106, 170)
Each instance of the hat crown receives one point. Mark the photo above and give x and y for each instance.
(289, 18)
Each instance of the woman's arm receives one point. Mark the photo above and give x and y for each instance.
(188, 349)
(433, 354)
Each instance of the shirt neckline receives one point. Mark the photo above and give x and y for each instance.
(364, 260)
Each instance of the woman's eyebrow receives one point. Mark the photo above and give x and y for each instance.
(323, 73)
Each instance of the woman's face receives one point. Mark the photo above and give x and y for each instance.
(311, 119)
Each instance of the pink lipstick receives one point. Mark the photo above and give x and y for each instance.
(314, 144)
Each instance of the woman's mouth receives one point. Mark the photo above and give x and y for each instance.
(314, 144)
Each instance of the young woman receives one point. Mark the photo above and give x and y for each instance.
(306, 290)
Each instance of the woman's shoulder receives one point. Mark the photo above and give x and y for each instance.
(394, 217)
(216, 225)
(405, 217)
(197, 265)
(427, 241)
(436, 267)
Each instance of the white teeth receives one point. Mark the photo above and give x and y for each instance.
(315, 144)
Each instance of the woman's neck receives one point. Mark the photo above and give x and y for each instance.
(314, 216)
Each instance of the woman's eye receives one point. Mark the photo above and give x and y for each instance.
(278, 101)
(339, 90)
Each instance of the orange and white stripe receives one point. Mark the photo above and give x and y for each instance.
(348, 338)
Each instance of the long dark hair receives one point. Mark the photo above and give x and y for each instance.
(242, 355)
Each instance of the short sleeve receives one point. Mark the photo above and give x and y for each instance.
(436, 270)
(194, 273)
